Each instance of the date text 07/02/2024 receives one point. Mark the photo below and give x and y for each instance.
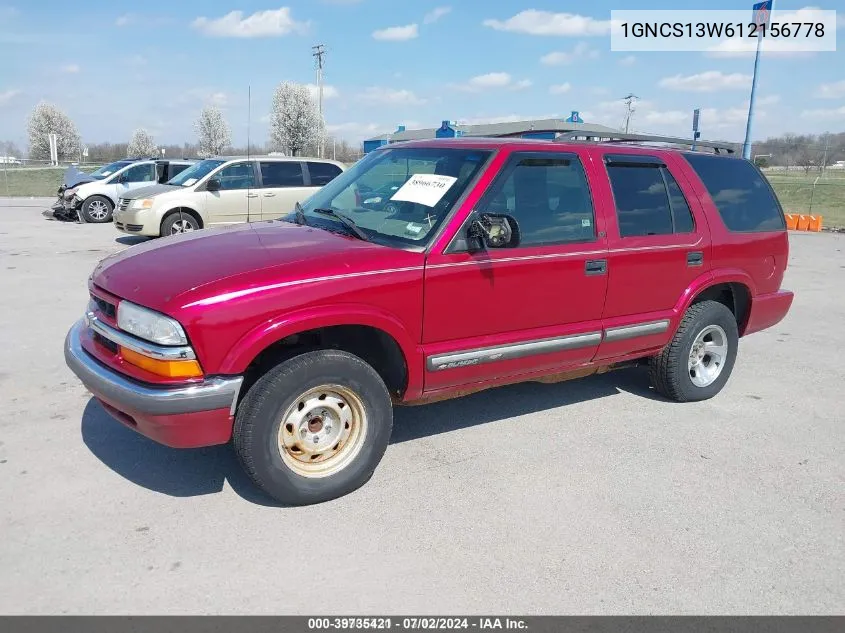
(416, 623)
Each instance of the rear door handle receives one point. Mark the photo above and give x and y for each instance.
(695, 258)
(252, 195)
(269, 195)
(595, 266)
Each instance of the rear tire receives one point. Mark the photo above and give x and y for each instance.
(314, 427)
(97, 210)
(698, 361)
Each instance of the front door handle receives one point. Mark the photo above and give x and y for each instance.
(595, 266)
(252, 195)
(269, 195)
(695, 258)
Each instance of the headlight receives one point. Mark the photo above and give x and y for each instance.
(149, 325)
(142, 203)
(69, 193)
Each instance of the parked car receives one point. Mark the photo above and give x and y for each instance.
(220, 191)
(93, 197)
(505, 261)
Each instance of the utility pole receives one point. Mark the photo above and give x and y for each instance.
(629, 109)
(319, 55)
(826, 150)
(761, 17)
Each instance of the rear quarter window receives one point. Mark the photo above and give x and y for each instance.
(742, 195)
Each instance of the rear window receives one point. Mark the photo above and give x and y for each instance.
(744, 199)
(282, 174)
(322, 173)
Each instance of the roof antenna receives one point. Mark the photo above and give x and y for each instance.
(248, 116)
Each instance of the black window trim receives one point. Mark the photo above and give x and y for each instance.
(307, 170)
(456, 244)
(645, 161)
(306, 177)
(715, 206)
(215, 173)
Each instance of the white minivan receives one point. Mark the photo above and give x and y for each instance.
(225, 190)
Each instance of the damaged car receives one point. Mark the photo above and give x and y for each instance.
(91, 197)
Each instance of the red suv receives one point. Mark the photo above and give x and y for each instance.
(432, 269)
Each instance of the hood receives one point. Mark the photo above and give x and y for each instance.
(149, 192)
(166, 273)
(73, 177)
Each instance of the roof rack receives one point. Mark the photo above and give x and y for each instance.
(604, 137)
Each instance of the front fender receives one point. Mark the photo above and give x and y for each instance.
(259, 338)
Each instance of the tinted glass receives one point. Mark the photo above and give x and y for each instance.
(196, 172)
(548, 197)
(642, 204)
(681, 213)
(237, 176)
(373, 192)
(743, 197)
(282, 174)
(176, 168)
(108, 170)
(140, 173)
(322, 173)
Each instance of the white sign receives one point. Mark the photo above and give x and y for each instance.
(425, 189)
(85, 152)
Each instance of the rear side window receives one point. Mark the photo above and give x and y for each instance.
(744, 199)
(176, 168)
(282, 174)
(322, 173)
(648, 200)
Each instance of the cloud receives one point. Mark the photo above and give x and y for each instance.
(560, 58)
(560, 89)
(435, 14)
(124, 20)
(710, 81)
(397, 33)
(8, 95)
(137, 60)
(271, 23)
(534, 22)
(835, 90)
(7, 12)
(747, 47)
(70, 69)
(356, 131)
(377, 94)
(492, 81)
(329, 92)
(824, 113)
(507, 118)
(630, 60)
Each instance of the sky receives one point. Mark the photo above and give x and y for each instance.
(117, 66)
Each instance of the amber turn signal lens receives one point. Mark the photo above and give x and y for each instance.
(168, 368)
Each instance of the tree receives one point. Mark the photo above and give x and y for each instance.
(46, 119)
(9, 148)
(295, 122)
(142, 144)
(213, 132)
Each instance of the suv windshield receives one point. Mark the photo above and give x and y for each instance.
(398, 195)
(108, 170)
(195, 173)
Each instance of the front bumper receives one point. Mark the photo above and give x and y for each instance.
(199, 414)
(136, 222)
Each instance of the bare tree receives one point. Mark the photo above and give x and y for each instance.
(46, 119)
(9, 148)
(295, 122)
(213, 132)
(141, 144)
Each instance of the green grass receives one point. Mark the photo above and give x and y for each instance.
(794, 188)
(795, 192)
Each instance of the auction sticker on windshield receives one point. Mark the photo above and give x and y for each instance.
(425, 189)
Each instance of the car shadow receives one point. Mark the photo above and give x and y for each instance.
(131, 240)
(203, 471)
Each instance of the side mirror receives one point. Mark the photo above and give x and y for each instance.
(212, 185)
(493, 231)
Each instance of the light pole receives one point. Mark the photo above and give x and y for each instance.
(762, 10)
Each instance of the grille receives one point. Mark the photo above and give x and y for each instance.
(109, 345)
(134, 227)
(123, 204)
(118, 225)
(105, 307)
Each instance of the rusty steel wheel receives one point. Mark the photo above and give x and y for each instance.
(322, 431)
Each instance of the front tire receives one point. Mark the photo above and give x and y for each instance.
(97, 209)
(698, 361)
(314, 427)
(177, 223)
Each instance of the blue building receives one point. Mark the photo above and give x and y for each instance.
(538, 128)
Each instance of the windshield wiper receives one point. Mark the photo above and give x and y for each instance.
(349, 223)
(300, 214)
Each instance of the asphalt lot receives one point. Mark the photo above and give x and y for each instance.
(586, 497)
